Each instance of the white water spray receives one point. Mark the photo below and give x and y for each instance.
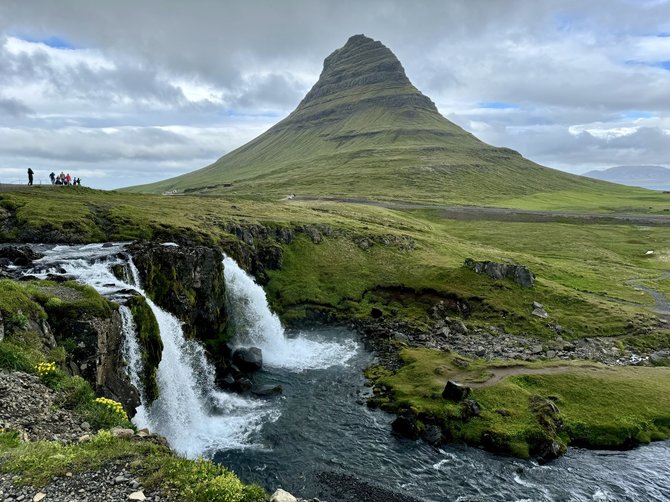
(256, 325)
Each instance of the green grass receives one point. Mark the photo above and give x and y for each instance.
(191, 481)
(581, 268)
(600, 406)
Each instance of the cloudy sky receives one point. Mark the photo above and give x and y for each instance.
(131, 91)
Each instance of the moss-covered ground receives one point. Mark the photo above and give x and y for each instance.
(187, 480)
(406, 261)
(23, 349)
(600, 406)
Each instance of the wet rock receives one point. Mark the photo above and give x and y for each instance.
(22, 256)
(432, 434)
(266, 390)
(454, 391)
(243, 385)
(406, 425)
(548, 451)
(248, 359)
(226, 382)
(186, 280)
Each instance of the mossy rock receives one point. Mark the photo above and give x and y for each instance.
(149, 340)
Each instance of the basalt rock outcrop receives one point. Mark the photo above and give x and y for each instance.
(518, 273)
(188, 282)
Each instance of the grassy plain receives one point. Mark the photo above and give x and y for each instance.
(412, 259)
(600, 406)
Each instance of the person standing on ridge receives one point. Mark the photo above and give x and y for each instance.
(30, 176)
(52, 176)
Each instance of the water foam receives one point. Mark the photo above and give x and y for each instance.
(256, 325)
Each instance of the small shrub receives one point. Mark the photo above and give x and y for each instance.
(13, 357)
(8, 439)
(253, 493)
(114, 406)
(54, 302)
(204, 481)
(102, 416)
(75, 392)
(18, 321)
(50, 375)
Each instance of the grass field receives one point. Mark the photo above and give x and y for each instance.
(411, 260)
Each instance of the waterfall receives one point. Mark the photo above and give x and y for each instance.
(194, 416)
(131, 349)
(256, 325)
(191, 412)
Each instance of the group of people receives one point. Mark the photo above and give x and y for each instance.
(60, 179)
(64, 179)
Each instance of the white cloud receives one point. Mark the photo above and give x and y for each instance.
(154, 88)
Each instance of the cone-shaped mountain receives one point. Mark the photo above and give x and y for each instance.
(364, 130)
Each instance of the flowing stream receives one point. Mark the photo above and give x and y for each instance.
(319, 427)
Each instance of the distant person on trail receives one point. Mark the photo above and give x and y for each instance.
(30, 176)
(62, 178)
(68, 179)
(53, 177)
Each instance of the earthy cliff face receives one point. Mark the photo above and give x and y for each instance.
(188, 282)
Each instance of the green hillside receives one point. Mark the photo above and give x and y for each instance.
(365, 131)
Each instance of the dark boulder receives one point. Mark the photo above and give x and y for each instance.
(520, 274)
(226, 382)
(243, 385)
(432, 434)
(406, 425)
(469, 408)
(455, 391)
(248, 359)
(376, 312)
(21, 256)
(266, 390)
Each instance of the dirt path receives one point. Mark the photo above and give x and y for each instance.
(508, 214)
(495, 375)
(661, 303)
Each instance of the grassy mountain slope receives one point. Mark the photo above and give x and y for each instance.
(364, 130)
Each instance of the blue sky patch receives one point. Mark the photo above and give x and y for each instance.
(53, 41)
(636, 114)
(497, 105)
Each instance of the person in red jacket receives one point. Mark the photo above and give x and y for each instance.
(68, 179)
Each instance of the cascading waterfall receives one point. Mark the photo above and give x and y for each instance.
(256, 325)
(190, 412)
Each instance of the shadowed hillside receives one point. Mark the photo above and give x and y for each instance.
(364, 130)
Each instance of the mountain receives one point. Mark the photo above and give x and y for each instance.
(653, 177)
(364, 130)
